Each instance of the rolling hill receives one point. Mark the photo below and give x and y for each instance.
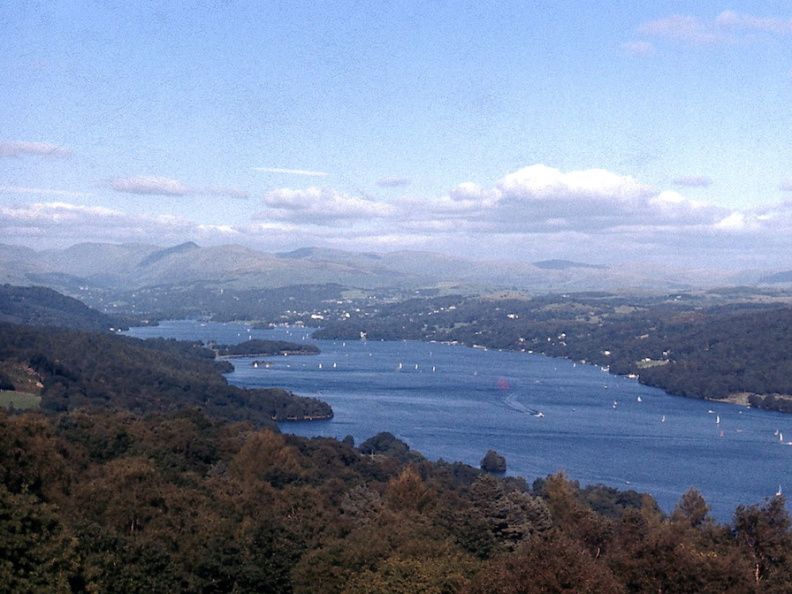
(127, 267)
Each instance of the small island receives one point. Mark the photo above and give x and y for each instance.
(493, 462)
(264, 348)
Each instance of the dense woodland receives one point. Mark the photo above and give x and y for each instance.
(684, 346)
(102, 501)
(264, 348)
(220, 304)
(72, 369)
(39, 306)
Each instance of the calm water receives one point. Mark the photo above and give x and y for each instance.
(542, 414)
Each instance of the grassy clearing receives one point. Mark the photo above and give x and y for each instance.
(19, 400)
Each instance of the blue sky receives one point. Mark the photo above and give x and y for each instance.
(602, 131)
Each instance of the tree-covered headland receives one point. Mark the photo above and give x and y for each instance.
(72, 369)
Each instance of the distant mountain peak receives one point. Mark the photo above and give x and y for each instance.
(188, 246)
(298, 254)
(565, 264)
(327, 254)
(777, 277)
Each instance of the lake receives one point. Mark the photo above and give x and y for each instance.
(542, 414)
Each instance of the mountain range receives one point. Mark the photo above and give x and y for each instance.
(126, 267)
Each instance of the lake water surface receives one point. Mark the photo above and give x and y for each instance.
(542, 414)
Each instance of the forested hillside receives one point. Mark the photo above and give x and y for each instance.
(39, 306)
(73, 369)
(177, 502)
(682, 344)
(264, 348)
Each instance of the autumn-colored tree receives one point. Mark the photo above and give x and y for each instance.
(265, 456)
(37, 552)
(764, 531)
(407, 491)
(550, 563)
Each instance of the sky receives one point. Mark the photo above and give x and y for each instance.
(603, 132)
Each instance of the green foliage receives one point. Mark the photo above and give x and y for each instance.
(178, 502)
(385, 444)
(82, 369)
(493, 462)
(39, 306)
(225, 304)
(264, 348)
(36, 550)
(765, 533)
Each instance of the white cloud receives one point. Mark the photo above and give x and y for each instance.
(321, 206)
(149, 184)
(55, 212)
(735, 20)
(59, 224)
(540, 182)
(537, 199)
(681, 28)
(727, 27)
(43, 149)
(544, 199)
(736, 221)
(163, 186)
(537, 212)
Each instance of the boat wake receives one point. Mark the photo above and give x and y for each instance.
(512, 402)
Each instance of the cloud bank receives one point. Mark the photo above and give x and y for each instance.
(321, 206)
(535, 199)
(537, 212)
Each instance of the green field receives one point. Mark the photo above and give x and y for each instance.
(19, 400)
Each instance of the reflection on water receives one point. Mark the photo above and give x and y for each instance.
(542, 414)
